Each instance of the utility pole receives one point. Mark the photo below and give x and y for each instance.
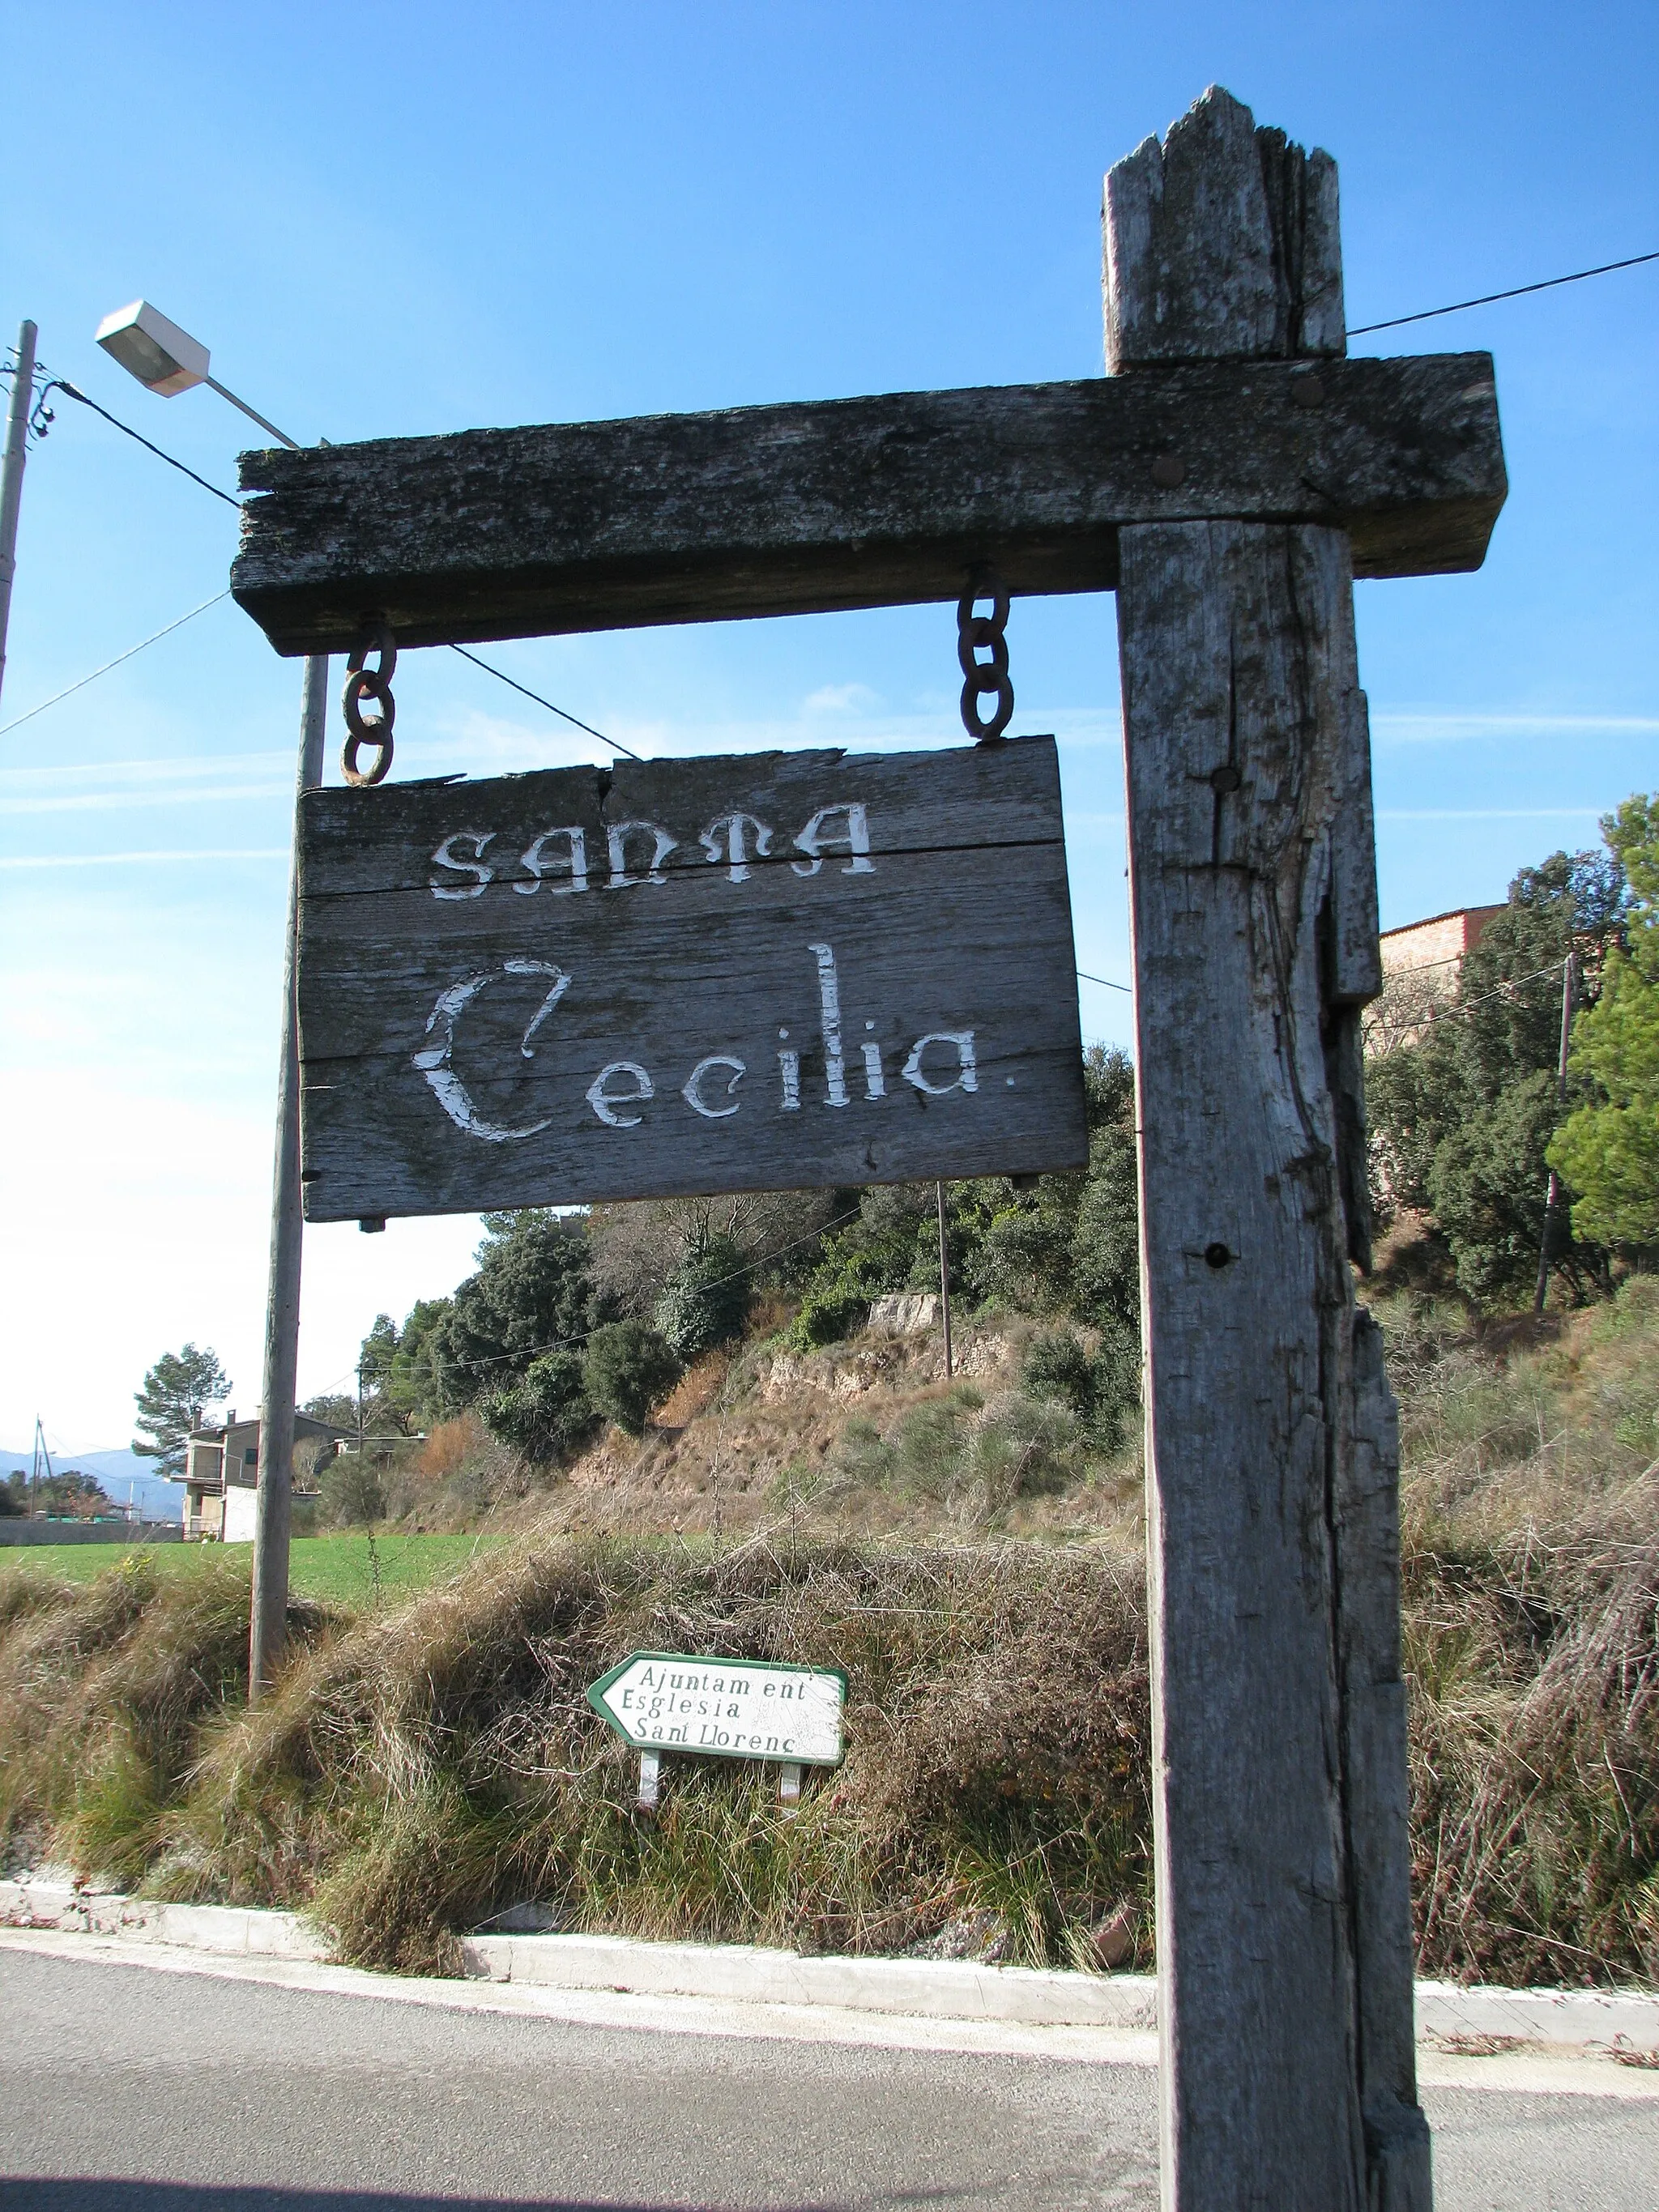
(11, 472)
(1553, 1202)
(168, 361)
(944, 1275)
(42, 1457)
(273, 1498)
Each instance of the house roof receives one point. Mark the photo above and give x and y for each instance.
(1452, 913)
(305, 1425)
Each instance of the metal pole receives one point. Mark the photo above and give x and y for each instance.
(944, 1275)
(272, 1497)
(1553, 1202)
(11, 473)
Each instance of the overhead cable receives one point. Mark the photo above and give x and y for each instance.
(614, 743)
(1515, 292)
(82, 681)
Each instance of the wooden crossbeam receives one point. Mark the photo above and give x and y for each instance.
(886, 502)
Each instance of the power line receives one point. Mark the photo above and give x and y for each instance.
(515, 686)
(750, 1267)
(1515, 292)
(1085, 976)
(73, 392)
(82, 681)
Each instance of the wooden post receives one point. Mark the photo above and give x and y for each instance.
(1284, 1955)
(1553, 1195)
(272, 1498)
(944, 1275)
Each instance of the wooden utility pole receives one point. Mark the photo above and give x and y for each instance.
(1283, 1930)
(943, 1276)
(1553, 1196)
(12, 460)
(273, 1498)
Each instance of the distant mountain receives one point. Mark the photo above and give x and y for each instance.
(119, 1470)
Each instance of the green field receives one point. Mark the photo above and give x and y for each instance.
(339, 1569)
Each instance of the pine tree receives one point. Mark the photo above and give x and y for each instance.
(178, 1391)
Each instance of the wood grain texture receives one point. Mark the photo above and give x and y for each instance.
(1282, 1872)
(857, 502)
(811, 919)
(1223, 243)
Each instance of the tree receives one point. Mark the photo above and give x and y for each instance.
(177, 1393)
(533, 1293)
(637, 1248)
(706, 1298)
(627, 1368)
(1073, 1244)
(1462, 1115)
(548, 1411)
(377, 1354)
(1608, 1149)
(415, 1385)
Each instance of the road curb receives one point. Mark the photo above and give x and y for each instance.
(1450, 2017)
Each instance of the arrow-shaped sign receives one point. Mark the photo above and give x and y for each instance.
(723, 1708)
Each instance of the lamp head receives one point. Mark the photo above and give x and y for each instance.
(163, 358)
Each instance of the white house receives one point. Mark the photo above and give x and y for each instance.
(222, 1474)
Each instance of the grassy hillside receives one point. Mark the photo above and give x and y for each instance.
(973, 1563)
(353, 1569)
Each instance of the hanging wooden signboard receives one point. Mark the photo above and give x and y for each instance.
(766, 972)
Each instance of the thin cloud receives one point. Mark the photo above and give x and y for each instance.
(133, 860)
(1430, 725)
(1491, 813)
(181, 768)
(840, 699)
(106, 802)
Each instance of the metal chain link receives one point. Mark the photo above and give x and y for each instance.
(369, 683)
(976, 632)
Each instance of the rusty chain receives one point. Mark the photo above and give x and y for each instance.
(975, 633)
(369, 683)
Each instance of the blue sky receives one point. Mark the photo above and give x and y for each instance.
(419, 219)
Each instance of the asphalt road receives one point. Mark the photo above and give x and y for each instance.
(122, 2089)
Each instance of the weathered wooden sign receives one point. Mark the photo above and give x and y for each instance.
(769, 972)
(880, 986)
(723, 1708)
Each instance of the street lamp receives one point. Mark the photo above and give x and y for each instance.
(168, 361)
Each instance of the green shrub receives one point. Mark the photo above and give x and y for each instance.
(628, 1368)
(705, 1300)
(547, 1413)
(353, 1490)
(1018, 1448)
(1098, 1389)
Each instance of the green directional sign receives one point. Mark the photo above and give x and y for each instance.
(723, 1708)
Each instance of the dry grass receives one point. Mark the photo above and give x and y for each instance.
(423, 1769)
(419, 1772)
(1531, 1510)
(105, 1685)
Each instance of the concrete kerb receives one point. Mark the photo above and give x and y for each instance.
(1449, 2018)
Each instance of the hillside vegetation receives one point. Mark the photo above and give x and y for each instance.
(674, 1426)
(427, 1764)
